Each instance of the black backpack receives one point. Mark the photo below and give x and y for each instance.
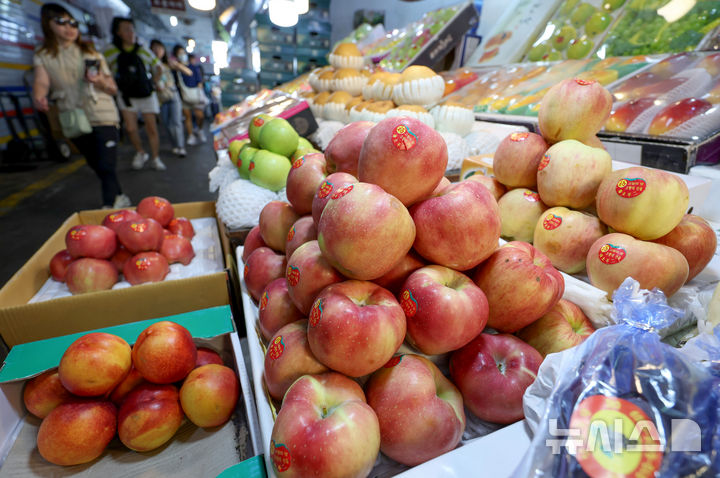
(132, 78)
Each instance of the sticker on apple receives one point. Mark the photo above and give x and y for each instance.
(245, 270)
(252, 165)
(77, 234)
(611, 254)
(293, 275)
(408, 303)
(263, 300)
(324, 189)
(342, 192)
(551, 222)
(544, 162)
(291, 234)
(630, 187)
(280, 456)
(637, 448)
(403, 138)
(258, 121)
(316, 313)
(582, 82)
(277, 347)
(142, 264)
(298, 163)
(531, 196)
(159, 203)
(116, 217)
(138, 227)
(517, 137)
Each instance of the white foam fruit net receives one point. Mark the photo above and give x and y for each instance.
(223, 173)
(240, 202)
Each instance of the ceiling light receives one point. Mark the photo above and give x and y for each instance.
(204, 5)
(283, 13)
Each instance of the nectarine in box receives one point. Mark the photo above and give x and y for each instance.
(192, 451)
(22, 322)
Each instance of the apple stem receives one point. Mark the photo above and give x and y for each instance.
(324, 412)
(501, 366)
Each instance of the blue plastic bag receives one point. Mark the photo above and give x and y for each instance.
(628, 404)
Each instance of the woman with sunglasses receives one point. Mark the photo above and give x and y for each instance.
(79, 80)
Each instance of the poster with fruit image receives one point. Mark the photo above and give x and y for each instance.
(576, 30)
(510, 36)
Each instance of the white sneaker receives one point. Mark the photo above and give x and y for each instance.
(158, 164)
(139, 160)
(201, 135)
(192, 140)
(180, 152)
(121, 201)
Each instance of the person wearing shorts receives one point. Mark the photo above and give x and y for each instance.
(125, 42)
(192, 94)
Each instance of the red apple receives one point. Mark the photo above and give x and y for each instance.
(355, 327)
(308, 272)
(564, 326)
(177, 249)
(132, 380)
(695, 240)
(114, 219)
(394, 280)
(711, 64)
(673, 64)
(288, 358)
(206, 356)
(364, 231)
(496, 188)
(276, 308)
(405, 157)
(77, 432)
(626, 90)
(262, 267)
(276, 219)
(44, 393)
(59, 264)
(156, 208)
(301, 232)
(622, 117)
(458, 229)
(94, 364)
(676, 114)
(90, 275)
(343, 151)
(574, 109)
(90, 240)
(326, 429)
(146, 267)
(492, 373)
(209, 394)
(140, 235)
(149, 417)
(520, 284)
(444, 309)
(182, 227)
(164, 353)
(303, 180)
(519, 211)
(516, 159)
(420, 411)
(252, 241)
(333, 183)
(120, 257)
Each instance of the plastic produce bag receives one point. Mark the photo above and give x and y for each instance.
(623, 403)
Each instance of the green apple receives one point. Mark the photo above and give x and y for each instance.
(553, 56)
(235, 147)
(256, 125)
(538, 52)
(269, 170)
(278, 136)
(304, 143)
(611, 5)
(300, 152)
(244, 159)
(568, 7)
(581, 14)
(563, 37)
(579, 48)
(597, 23)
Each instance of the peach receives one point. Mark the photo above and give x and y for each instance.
(131, 380)
(94, 364)
(209, 394)
(207, 356)
(149, 417)
(164, 352)
(44, 393)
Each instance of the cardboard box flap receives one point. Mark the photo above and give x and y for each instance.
(30, 359)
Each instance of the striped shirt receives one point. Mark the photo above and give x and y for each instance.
(146, 55)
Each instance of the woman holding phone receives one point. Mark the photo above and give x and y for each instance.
(73, 74)
(167, 91)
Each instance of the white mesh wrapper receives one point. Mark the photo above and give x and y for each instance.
(223, 173)
(325, 132)
(457, 150)
(239, 203)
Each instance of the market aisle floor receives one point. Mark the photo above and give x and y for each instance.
(34, 204)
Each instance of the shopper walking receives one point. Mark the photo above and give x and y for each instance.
(193, 96)
(168, 96)
(134, 67)
(77, 77)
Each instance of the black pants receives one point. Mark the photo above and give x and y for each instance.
(100, 151)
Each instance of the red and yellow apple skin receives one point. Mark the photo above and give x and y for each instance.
(94, 364)
(307, 273)
(646, 203)
(420, 411)
(209, 394)
(343, 151)
(306, 174)
(325, 191)
(276, 219)
(676, 114)
(149, 417)
(695, 240)
(521, 285)
(302, 231)
(77, 432)
(324, 428)
(563, 327)
(516, 159)
(519, 211)
(496, 188)
(364, 231)
(355, 327)
(394, 280)
(288, 357)
(621, 118)
(207, 356)
(492, 373)
(164, 353)
(615, 257)
(262, 267)
(252, 241)
(130, 382)
(444, 309)
(276, 308)
(42, 394)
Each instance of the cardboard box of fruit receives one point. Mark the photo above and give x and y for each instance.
(35, 397)
(22, 322)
